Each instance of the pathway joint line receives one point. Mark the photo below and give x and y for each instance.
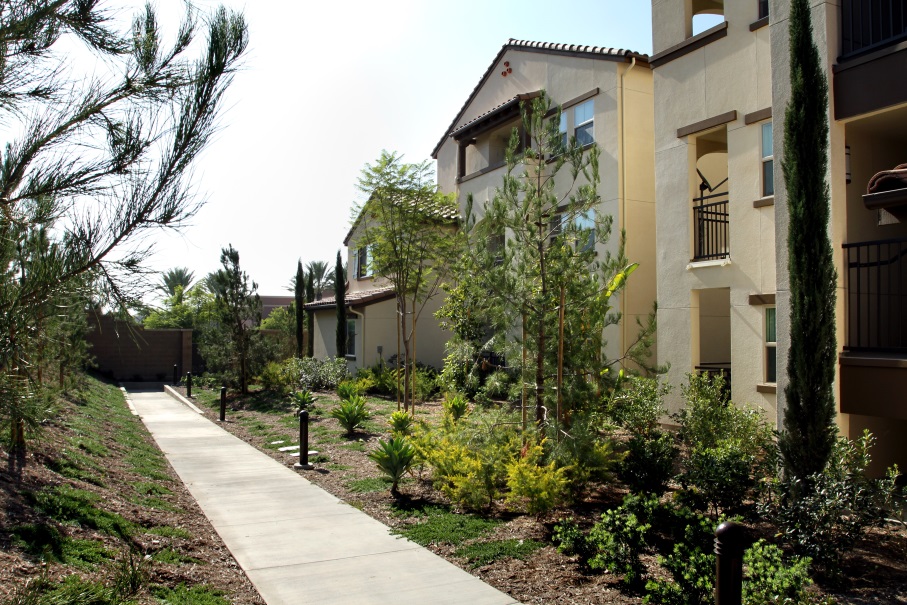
(173, 393)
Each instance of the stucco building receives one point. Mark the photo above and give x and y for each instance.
(720, 96)
(606, 97)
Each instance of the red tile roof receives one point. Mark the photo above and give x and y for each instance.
(363, 297)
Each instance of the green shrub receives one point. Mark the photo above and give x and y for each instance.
(722, 475)
(618, 542)
(571, 540)
(303, 400)
(584, 452)
(394, 458)
(826, 521)
(351, 413)
(485, 553)
(456, 406)
(401, 423)
(274, 377)
(347, 390)
(638, 405)
(649, 463)
(315, 374)
(534, 486)
(693, 578)
(769, 579)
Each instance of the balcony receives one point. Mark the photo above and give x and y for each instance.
(868, 25)
(876, 296)
(710, 226)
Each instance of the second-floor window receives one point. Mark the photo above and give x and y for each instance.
(768, 162)
(763, 9)
(562, 129)
(361, 261)
(583, 125)
(584, 222)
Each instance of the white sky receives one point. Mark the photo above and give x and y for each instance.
(325, 87)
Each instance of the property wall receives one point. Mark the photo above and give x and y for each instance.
(128, 352)
(729, 74)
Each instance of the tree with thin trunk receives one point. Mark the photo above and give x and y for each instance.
(299, 297)
(95, 159)
(310, 316)
(409, 228)
(809, 433)
(239, 311)
(340, 298)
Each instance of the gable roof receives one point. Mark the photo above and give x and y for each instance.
(361, 298)
(573, 50)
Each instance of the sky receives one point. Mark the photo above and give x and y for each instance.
(325, 87)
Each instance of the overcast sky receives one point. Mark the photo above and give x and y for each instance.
(326, 86)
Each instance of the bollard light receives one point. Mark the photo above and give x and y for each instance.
(176, 375)
(188, 384)
(730, 541)
(223, 404)
(303, 441)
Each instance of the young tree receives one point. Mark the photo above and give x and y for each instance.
(106, 158)
(532, 253)
(310, 317)
(239, 313)
(299, 295)
(340, 297)
(410, 230)
(809, 416)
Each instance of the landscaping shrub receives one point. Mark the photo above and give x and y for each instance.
(649, 462)
(351, 413)
(728, 445)
(394, 458)
(401, 423)
(638, 405)
(496, 384)
(618, 541)
(584, 452)
(303, 400)
(534, 486)
(825, 522)
(316, 374)
(768, 579)
(274, 377)
(347, 390)
(455, 406)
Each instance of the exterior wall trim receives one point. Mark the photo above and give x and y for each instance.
(758, 116)
(759, 23)
(689, 45)
(712, 122)
(764, 202)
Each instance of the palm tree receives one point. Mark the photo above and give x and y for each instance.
(179, 276)
(321, 276)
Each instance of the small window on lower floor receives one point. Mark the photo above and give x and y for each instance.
(350, 337)
(771, 346)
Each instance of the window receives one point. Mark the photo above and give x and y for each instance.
(351, 338)
(763, 9)
(496, 245)
(771, 346)
(583, 122)
(584, 224)
(768, 162)
(562, 129)
(362, 265)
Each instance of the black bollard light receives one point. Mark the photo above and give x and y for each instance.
(188, 384)
(176, 375)
(304, 441)
(223, 404)
(729, 545)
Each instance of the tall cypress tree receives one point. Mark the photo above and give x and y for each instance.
(809, 417)
(340, 297)
(299, 297)
(309, 316)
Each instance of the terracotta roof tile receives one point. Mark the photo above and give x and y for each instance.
(354, 298)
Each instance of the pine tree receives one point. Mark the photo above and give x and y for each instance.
(340, 297)
(809, 416)
(299, 296)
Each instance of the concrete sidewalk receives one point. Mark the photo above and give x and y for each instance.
(297, 543)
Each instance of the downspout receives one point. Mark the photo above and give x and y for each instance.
(362, 316)
(623, 195)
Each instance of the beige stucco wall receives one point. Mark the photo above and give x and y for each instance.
(732, 73)
(627, 194)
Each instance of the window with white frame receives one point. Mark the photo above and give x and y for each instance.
(768, 161)
(351, 338)
(771, 346)
(562, 129)
(583, 124)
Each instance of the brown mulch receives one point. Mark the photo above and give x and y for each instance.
(879, 565)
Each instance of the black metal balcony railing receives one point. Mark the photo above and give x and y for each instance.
(877, 296)
(710, 224)
(870, 24)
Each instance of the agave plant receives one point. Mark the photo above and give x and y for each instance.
(303, 399)
(456, 406)
(347, 389)
(394, 458)
(351, 413)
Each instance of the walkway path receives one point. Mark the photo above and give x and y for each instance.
(297, 543)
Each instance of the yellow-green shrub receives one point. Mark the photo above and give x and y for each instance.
(534, 486)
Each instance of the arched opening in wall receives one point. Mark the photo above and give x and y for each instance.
(710, 198)
(705, 14)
